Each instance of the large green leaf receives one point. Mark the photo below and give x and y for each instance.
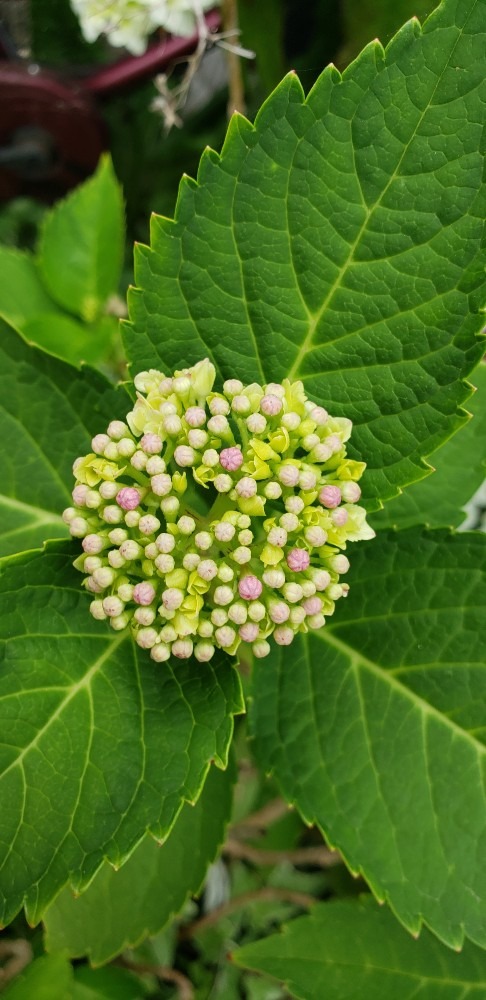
(48, 413)
(120, 908)
(337, 241)
(47, 978)
(375, 727)
(439, 500)
(98, 744)
(22, 294)
(81, 245)
(357, 949)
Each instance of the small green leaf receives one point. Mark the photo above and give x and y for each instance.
(357, 949)
(69, 339)
(119, 909)
(22, 294)
(338, 241)
(375, 727)
(98, 744)
(439, 500)
(48, 413)
(107, 984)
(47, 978)
(81, 245)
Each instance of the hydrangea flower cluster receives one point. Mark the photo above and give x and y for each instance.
(128, 23)
(211, 519)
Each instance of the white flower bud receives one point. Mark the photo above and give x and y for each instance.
(334, 591)
(68, 515)
(79, 495)
(115, 559)
(225, 636)
(321, 453)
(294, 505)
(241, 555)
(293, 592)
(117, 429)
(130, 549)
(207, 569)
(244, 521)
(182, 648)
(219, 617)
(219, 425)
(108, 490)
(272, 491)
(223, 483)
(169, 506)
(288, 475)
(113, 606)
(203, 540)
(241, 404)
(225, 573)
(160, 653)
(104, 577)
(270, 405)
(146, 638)
(99, 443)
(223, 595)
(319, 415)
(93, 544)
(125, 592)
(165, 563)
(274, 578)
(261, 648)
(165, 386)
(219, 406)
(181, 385)
(339, 563)
(139, 460)
(186, 525)
(310, 441)
(144, 616)
(307, 480)
(78, 527)
(91, 563)
(351, 492)
(205, 629)
(172, 598)
(211, 458)
(315, 536)
(256, 611)
(246, 487)
(161, 484)
(168, 633)
(297, 615)
(245, 537)
(238, 613)
(232, 387)
(112, 514)
(155, 465)
(92, 586)
(172, 425)
(120, 622)
(126, 448)
(97, 610)
(195, 416)
(289, 521)
(320, 578)
(191, 561)
(276, 389)
(132, 518)
(279, 612)
(291, 421)
(197, 438)
(308, 588)
(167, 409)
(277, 536)
(117, 536)
(315, 621)
(203, 651)
(248, 631)
(224, 531)
(283, 635)
(111, 451)
(256, 423)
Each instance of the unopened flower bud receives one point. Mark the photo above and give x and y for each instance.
(191, 561)
(223, 483)
(248, 631)
(78, 527)
(205, 629)
(315, 621)
(256, 423)
(144, 615)
(339, 563)
(148, 524)
(351, 492)
(288, 475)
(93, 544)
(172, 598)
(315, 536)
(143, 593)
(155, 465)
(173, 425)
(79, 494)
(246, 487)
(160, 653)
(170, 506)
(277, 536)
(298, 560)
(319, 415)
(297, 615)
(330, 496)
(320, 578)
(278, 611)
(291, 421)
(241, 555)
(312, 605)
(181, 385)
(195, 416)
(210, 458)
(91, 563)
(231, 459)
(186, 525)
(185, 456)
(97, 610)
(270, 405)
(161, 485)
(93, 499)
(307, 480)
(108, 490)
(224, 531)
(112, 606)
(197, 438)
(117, 429)
(261, 648)
(293, 592)
(207, 569)
(219, 617)
(272, 491)
(128, 498)
(339, 517)
(146, 638)
(203, 651)
(219, 425)
(290, 522)
(125, 592)
(165, 563)
(274, 578)
(225, 573)
(223, 596)
(126, 448)
(240, 405)
(115, 559)
(238, 613)
(139, 460)
(256, 611)
(132, 517)
(99, 443)
(283, 635)
(151, 444)
(130, 549)
(321, 453)
(104, 576)
(232, 386)
(310, 441)
(225, 636)
(68, 515)
(111, 451)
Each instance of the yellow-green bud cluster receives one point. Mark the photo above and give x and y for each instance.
(211, 519)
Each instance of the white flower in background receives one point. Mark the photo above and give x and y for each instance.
(129, 23)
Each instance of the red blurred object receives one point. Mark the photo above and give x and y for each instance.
(51, 129)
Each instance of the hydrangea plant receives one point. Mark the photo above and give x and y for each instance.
(325, 270)
(129, 23)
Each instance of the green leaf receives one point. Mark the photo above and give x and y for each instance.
(357, 949)
(81, 244)
(119, 909)
(460, 469)
(107, 984)
(337, 241)
(98, 744)
(375, 727)
(70, 340)
(47, 978)
(22, 294)
(48, 413)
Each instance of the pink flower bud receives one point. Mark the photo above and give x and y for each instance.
(270, 405)
(312, 606)
(195, 416)
(330, 496)
(231, 459)
(250, 587)
(298, 560)
(248, 632)
(339, 517)
(151, 444)
(93, 544)
(319, 415)
(128, 498)
(79, 494)
(143, 593)
(172, 598)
